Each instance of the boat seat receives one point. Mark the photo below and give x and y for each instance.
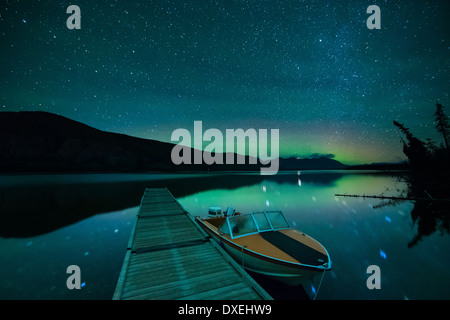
(229, 212)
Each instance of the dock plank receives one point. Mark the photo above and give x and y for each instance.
(170, 258)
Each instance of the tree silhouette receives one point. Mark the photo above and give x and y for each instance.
(427, 180)
(442, 125)
(414, 149)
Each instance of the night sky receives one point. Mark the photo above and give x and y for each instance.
(311, 69)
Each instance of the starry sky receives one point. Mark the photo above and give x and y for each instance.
(310, 68)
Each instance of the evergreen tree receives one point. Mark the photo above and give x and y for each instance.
(442, 124)
(414, 149)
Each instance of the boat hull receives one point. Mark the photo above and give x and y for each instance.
(288, 273)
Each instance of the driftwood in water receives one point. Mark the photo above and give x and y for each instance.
(391, 198)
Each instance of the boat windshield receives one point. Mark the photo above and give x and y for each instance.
(243, 225)
(277, 219)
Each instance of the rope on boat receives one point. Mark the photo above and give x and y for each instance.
(320, 283)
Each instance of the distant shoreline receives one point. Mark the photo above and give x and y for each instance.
(361, 168)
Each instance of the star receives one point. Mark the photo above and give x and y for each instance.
(307, 68)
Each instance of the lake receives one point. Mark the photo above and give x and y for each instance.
(49, 222)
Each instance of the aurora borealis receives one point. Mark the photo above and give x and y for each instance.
(311, 69)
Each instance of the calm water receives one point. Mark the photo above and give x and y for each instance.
(51, 222)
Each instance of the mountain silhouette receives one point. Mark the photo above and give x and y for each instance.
(36, 141)
(321, 163)
(41, 141)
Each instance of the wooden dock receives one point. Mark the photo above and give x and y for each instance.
(169, 257)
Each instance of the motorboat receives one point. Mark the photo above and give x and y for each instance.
(265, 243)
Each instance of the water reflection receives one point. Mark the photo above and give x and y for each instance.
(355, 232)
(34, 205)
(59, 220)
